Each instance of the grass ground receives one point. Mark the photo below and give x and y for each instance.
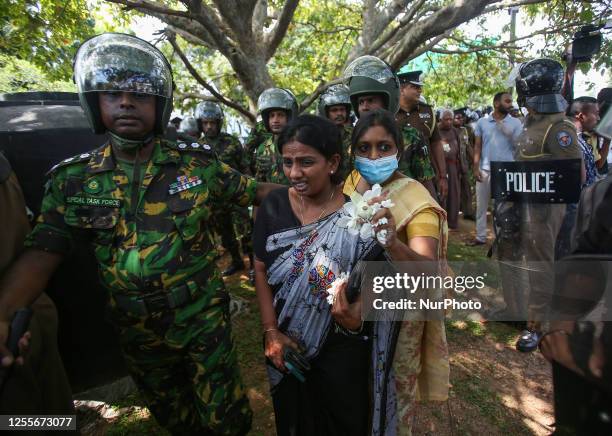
(494, 389)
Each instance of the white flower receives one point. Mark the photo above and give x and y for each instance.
(382, 237)
(358, 213)
(446, 147)
(342, 278)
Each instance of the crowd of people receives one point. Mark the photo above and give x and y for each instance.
(150, 207)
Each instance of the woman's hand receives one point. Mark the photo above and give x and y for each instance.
(275, 342)
(346, 314)
(383, 224)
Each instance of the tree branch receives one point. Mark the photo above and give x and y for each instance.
(151, 6)
(390, 33)
(506, 44)
(276, 35)
(508, 4)
(204, 83)
(313, 96)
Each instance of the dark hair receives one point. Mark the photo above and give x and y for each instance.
(580, 104)
(318, 133)
(378, 117)
(497, 97)
(604, 99)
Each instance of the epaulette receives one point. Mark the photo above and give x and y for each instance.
(193, 146)
(71, 160)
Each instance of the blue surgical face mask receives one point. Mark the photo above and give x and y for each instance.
(378, 170)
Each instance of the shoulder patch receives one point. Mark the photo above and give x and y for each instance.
(564, 138)
(71, 160)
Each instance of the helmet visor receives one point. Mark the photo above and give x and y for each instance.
(368, 66)
(117, 62)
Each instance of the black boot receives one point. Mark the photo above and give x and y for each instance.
(237, 263)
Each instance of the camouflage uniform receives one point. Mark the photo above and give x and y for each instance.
(347, 167)
(414, 161)
(155, 259)
(421, 119)
(268, 163)
(258, 135)
(231, 153)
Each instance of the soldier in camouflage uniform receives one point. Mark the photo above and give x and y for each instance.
(258, 135)
(143, 203)
(335, 104)
(373, 85)
(234, 220)
(277, 107)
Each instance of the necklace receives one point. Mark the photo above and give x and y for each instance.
(322, 212)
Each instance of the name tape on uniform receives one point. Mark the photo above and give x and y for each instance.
(550, 181)
(94, 201)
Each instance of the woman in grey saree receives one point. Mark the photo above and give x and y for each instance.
(300, 250)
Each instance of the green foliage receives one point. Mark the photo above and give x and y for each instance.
(464, 79)
(18, 75)
(47, 32)
(570, 15)
(320, 37)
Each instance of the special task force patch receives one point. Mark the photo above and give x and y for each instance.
(564, 138)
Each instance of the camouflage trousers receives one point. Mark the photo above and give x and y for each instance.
(235, 229)
(184, 364)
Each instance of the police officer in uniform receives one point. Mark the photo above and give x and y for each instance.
(277, 107)
(143, 203)
(421, 116)
(335, 104)
(548, 135)
(234, 220)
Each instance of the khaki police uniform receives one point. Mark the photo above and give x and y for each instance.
(545, 137)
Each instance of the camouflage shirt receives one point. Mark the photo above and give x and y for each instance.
(229, 150)
(257, 136)
(160, 241)
(415, 161)
(347, 132)
(269, 163)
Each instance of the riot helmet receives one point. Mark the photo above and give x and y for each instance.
(125, 63)
(209, 110)
(276, 98)
(333, 96)
(189, 126)
(369, 75)
(538, 85)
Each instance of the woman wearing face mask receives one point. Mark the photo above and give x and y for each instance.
(300, 250)
(416, 231)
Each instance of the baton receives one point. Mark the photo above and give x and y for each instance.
(19, 325)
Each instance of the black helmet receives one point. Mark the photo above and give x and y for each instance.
(276, 98)
(333, 96)
(369, 75)
(539, 84)
(119, 62)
